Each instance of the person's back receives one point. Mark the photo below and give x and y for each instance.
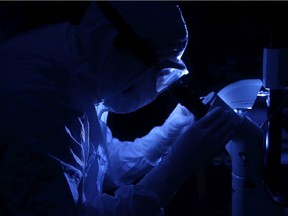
(40, 100)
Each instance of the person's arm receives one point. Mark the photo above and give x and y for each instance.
(191, 152)
(37, 179)
(130, 161)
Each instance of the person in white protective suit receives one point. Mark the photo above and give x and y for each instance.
(58, 157)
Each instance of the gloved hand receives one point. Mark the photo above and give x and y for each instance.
(179, 119)
(191, 152)
(160, 139)
(204, 139)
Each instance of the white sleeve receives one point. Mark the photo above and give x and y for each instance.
(129, 161)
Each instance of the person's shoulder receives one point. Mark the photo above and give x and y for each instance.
(45, 35)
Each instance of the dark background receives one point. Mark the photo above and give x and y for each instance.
(226, 45)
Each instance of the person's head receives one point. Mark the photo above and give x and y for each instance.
(132, 48)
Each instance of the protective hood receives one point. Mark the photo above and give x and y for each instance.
(119, 74)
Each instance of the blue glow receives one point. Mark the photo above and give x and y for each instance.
(167, 76)
(264, 93)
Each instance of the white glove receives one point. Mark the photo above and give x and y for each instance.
(160, 139)
(177, 121)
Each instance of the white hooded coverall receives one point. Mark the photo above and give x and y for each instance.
(57, 157)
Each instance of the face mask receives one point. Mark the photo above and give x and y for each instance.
(144, 91)
(147, 86)
(139, 93)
